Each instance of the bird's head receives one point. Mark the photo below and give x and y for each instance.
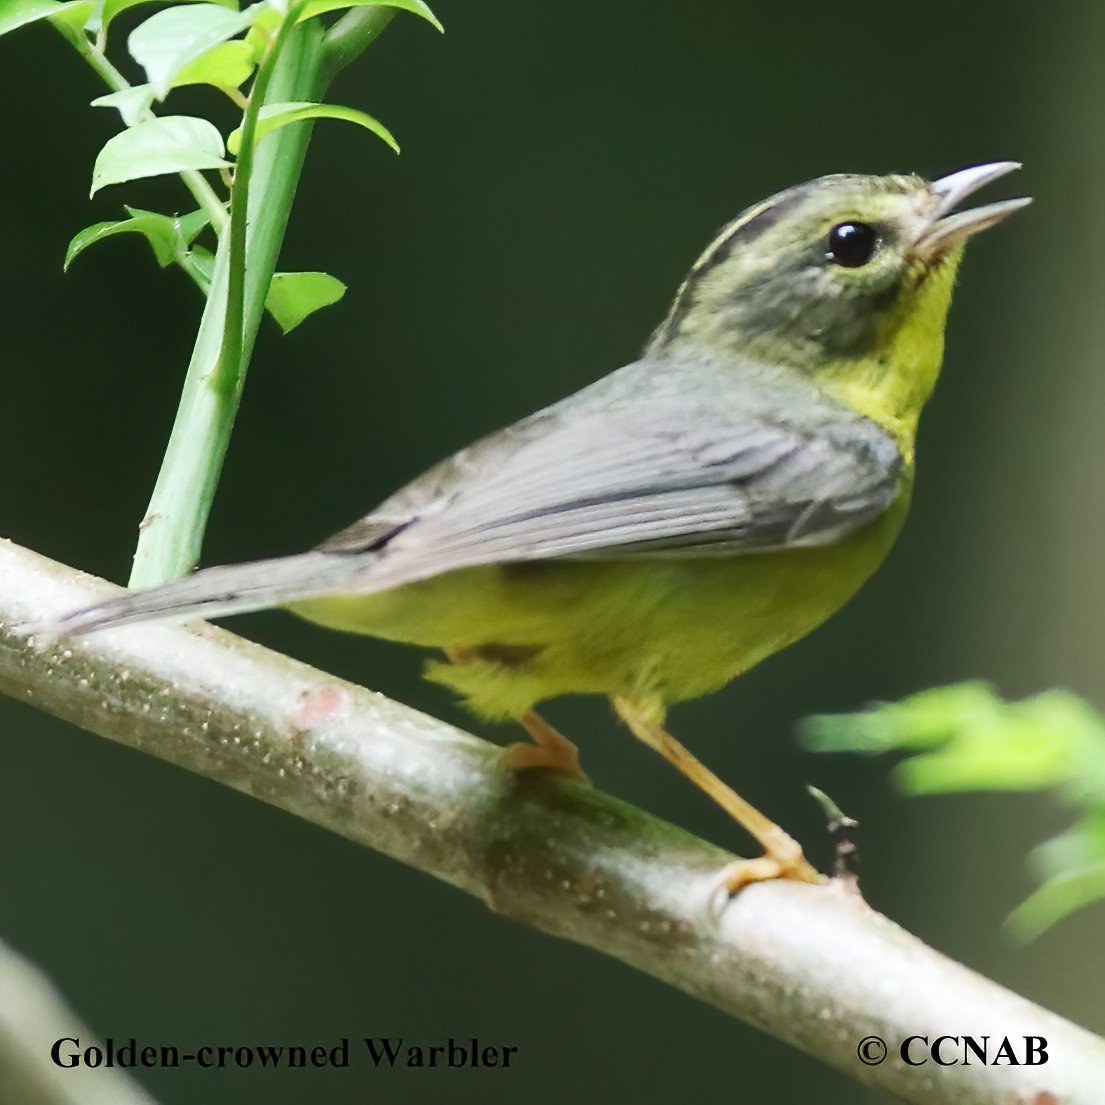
(847, 277)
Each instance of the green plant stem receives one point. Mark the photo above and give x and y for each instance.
(357, 29)
(230, 371)
(206, 197)
(172, 532)
(302, 62)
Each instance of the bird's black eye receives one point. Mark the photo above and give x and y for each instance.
(852, 244)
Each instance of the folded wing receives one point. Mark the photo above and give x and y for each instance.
(635, 479)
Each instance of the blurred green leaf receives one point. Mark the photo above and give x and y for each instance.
(15, 13)
(169, 40)
(262, 31)
(133, 103)
(165, 145)
(227, 65)
(965, 737)
(923, 720)
(76, 21)
(1072, 869)
(969, 739)
(318, 7)
(272, 116)
(294, 295)
(113, 7)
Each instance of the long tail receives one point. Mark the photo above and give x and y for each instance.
(228, 589)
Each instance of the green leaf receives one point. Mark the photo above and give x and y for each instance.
(16, 13)
(1072, 867)
(188, 226)
(199, 264)
(924, 720)
(165, 145)
(76, 23)
(179, 230)
(1041, 742)
(972, 740)
(273, 116)
(133, 103)
(113, 7)
(169, 236)
(227, 65)
(317, 7)
(159, 237)
(169, 40)
(1054, 900)
(294, 295)
(263, 29)
(966, 738)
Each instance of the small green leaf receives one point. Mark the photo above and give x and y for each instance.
(199, 264)
(263, 29)
(169, 236)
(179, 230)
(1012, 747)
(133, 103)
(1054, 900)
(113, 7)
(966, 738)
(971, 740)
(154, 227)
(317, 7)
(169, 40)
(1072, 869)
(280, 115)
(76, 21)
(15, 13)
(188, 226)
(227, 65)
(924, 720)
(294, 295)
(165, 145)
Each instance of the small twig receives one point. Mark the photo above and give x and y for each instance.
(842, 830)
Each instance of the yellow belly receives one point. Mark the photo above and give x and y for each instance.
(661, 630)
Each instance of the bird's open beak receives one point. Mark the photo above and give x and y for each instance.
(945, 230)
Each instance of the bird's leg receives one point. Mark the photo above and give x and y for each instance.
(783, 857)
(550, 750)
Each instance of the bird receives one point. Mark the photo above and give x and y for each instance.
(659, 532)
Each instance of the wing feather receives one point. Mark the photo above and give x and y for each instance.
(756, 470)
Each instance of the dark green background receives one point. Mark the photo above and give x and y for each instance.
(562, 167)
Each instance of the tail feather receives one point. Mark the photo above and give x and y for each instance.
(228, 589)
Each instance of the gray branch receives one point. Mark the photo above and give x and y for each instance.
(813, 966)
(32, 1016)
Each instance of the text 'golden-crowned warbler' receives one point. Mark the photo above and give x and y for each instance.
(664, 529)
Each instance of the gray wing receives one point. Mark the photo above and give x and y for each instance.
(618, 472)
(654, 460)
